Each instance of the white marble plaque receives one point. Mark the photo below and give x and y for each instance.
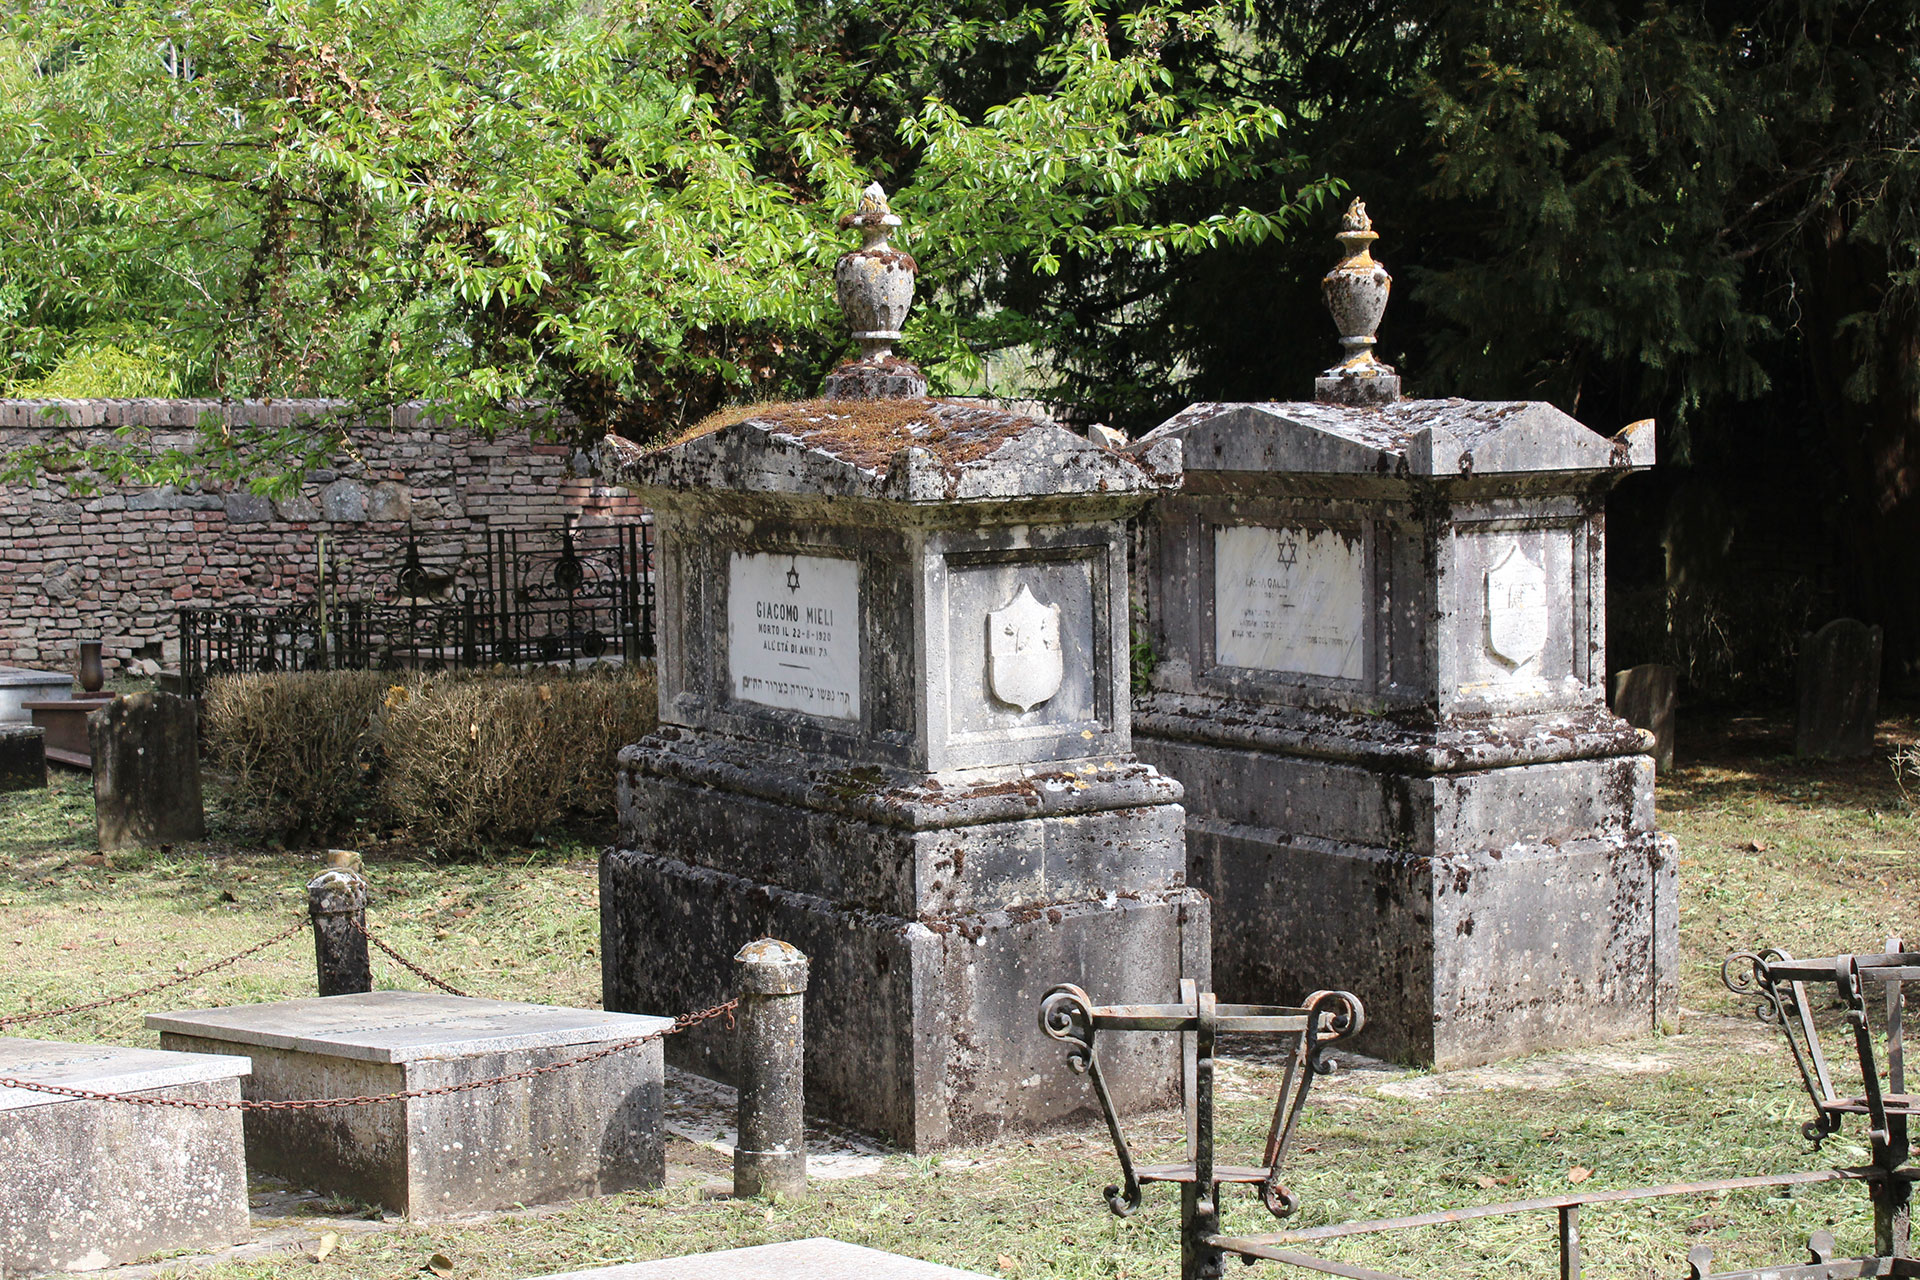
(1289, 599)
(793, 633)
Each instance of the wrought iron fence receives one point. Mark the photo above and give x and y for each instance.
(527, 597)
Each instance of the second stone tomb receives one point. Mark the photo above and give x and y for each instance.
(1379, 630)
(583, 1130)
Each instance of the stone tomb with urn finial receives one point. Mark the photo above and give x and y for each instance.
(1379, 626)
(894, 732)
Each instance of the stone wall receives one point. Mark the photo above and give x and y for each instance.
(115, 564)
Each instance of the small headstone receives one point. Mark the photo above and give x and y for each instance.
(1643, 696)
(815, 1259)
(591, 1129)
(88, 1183)
(1839, 690)
(23, 757)
(146, 771)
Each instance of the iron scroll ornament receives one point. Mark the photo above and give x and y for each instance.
(1331, 1016)
(1781, 982)
(1785, 1005)
(1066, 1014)
(1069, 1015)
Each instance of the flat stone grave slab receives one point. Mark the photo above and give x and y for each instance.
(87, 1183)
(591, 1129)
(21, 685)
(816, 1259)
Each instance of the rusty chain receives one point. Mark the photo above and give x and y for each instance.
(14, 1019)
(419, 972)
(679, 1024)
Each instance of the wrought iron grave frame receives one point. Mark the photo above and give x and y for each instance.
(1778, 980)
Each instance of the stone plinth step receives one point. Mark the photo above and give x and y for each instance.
(89, 1183)
(65, 722)
(591, 1129)
(816, 1259)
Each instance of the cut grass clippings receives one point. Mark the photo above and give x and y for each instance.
(1814, 857)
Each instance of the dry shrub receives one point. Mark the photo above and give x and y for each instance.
(300, 745)
(474, 763)
(1906, 773)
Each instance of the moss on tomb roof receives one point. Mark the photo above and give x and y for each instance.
(868, 433)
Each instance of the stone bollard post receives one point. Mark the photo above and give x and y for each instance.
(770, 1154)
(337, 903)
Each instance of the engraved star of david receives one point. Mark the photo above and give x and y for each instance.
(793, 577)
(1289, 550)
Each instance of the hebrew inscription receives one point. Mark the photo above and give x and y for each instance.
(793, 633)
(1289, 599)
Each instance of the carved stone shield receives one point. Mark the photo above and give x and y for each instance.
(1024, 663)
(1516, 609)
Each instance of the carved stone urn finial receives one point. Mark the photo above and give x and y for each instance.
(874, 286)
(1356, 293)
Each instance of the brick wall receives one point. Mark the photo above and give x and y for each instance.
(115, 564)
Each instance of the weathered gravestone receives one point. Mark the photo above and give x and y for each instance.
(1644, 696)
(1839, 690)
(894, 732)
(23, 757)
(1378, 626)
(814, 1259)
(146, 771)
(583, 1130)
(87, 1183)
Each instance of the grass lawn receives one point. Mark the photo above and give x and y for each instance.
(1814, 858)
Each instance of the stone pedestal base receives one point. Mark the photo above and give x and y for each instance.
(65, 722)
(936, 912)
(593, 1129)
(88, 1184)
(1464, 947)
(923, 1033)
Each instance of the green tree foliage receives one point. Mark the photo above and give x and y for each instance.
(1710, 212)
(627, 210)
